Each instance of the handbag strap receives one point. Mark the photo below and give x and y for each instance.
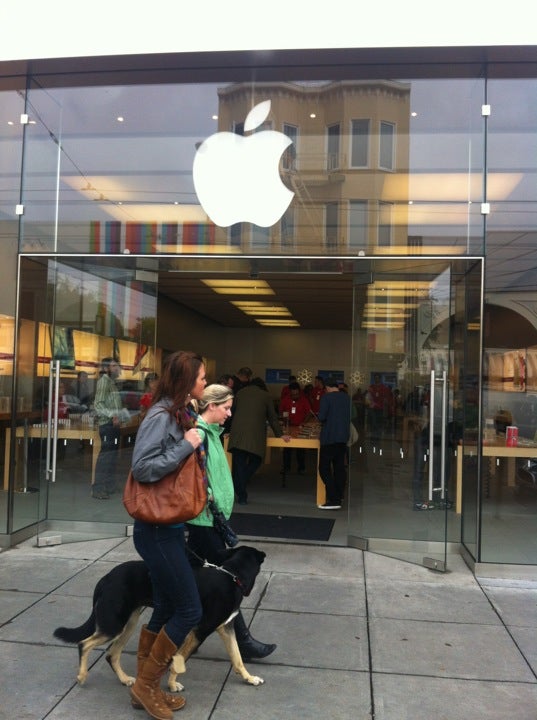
(187, 417)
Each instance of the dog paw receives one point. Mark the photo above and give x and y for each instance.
(178, 664)
(254, 680)
(81, 679)
(175, 687)
(129, 681)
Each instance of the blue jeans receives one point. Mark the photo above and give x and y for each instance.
(106, 465)
(177, 605)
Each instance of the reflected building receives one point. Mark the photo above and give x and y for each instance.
(347, 137)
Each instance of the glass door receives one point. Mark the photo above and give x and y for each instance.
(87, 340)
(413, 334)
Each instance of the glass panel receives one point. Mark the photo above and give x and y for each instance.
(509, 487)
(42, 166)
(11, 109)
(39, 225)
(402, 478)
(99, 324)
(102, 175)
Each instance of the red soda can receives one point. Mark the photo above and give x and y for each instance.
(511, 436)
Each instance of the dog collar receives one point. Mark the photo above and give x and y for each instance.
(235, 579)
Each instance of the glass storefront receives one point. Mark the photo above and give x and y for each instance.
(380, 180)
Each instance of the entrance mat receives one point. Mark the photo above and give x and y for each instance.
(281, 526)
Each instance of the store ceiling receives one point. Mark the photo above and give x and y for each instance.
(324, 293)
(316, 301)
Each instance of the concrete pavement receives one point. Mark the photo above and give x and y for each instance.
(359, 635)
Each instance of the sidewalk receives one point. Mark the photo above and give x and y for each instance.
(359, 636)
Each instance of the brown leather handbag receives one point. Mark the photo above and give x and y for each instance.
(177, 497)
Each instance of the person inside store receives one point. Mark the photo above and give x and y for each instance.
(242, 379)
(335, 418)
(378, 400)
(252, 410)
(425, 498)
(167, 435)
(63, 407)
(295, 410)
(208, 535)
(319, 389)
(108, 411)
(63, 414)
(150, 383)
(358, 401)
(286, 389)
(226, 379)
(83, 389)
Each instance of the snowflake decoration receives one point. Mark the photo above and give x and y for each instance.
(304, 377)
(357, 378)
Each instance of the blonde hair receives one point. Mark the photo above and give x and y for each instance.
(215, 393)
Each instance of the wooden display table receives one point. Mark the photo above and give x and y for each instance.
(309, 442)
(494, 449)
(68, 431)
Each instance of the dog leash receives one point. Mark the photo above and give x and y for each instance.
(206, 564)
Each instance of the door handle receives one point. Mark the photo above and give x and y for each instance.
(52, 420)
(443, 434)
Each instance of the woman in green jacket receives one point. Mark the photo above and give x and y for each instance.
(204, 539)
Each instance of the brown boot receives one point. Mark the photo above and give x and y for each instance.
(146, 690)
(145, 643)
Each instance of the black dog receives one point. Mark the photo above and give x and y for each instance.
(122, 594)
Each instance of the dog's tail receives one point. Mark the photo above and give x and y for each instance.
(76, 635)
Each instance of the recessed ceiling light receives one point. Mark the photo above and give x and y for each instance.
(240, 287)
(277, 323)
(120, 118)
(313, 116)
(260, 308)
(379, 325)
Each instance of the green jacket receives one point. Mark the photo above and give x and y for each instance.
(107, 403)
(218, 474)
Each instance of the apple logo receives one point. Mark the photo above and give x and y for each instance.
(237, 177)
